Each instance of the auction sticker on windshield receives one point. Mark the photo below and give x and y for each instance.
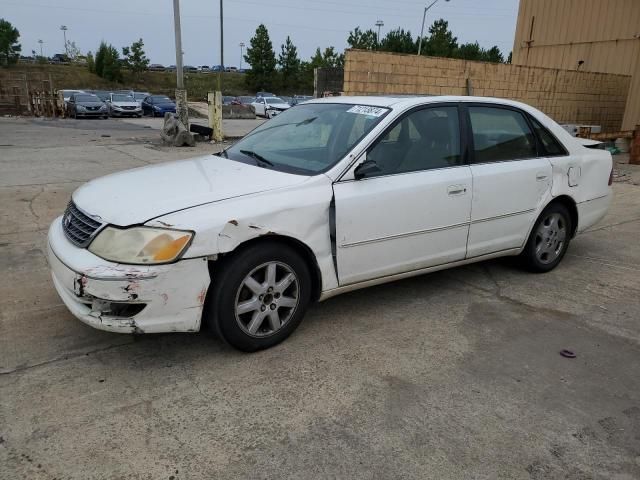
(367, 110)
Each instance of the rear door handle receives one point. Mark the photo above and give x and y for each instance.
(457, 189)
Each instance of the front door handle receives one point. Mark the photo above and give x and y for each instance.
(540, 176)
(457, 189)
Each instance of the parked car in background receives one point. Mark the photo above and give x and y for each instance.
(156, 67)
(140, 96)
(227, 99)
(171, 68)
(287, 99)
(204, 69)
(269, 106)
(331, 196)
(265, 94)
(86, 105)
(300, 98)
(102, 94)
(189, 69)
(245, 100)
(123, 105)
(231, 69)
(217, 68)
(158, 105)
(66, 95)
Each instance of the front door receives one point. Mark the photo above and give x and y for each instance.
(413, 212)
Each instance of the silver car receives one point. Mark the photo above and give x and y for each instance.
(123, 105)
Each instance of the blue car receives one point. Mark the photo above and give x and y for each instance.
(158, 105)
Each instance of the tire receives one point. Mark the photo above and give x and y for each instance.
(548, 240)
(253, 326)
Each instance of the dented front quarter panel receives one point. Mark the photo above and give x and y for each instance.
(300, 212)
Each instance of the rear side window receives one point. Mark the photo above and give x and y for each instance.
(500, 134)
(553, 148)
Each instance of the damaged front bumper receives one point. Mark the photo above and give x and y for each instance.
(127, 298)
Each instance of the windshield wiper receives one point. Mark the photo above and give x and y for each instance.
(259, 158)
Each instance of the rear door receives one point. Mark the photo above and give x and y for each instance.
(510, 180)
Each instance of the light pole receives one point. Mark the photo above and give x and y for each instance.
(424, 16)
(41, 42)
(64, 32)
(379, 24)
(221, 50)
(241, 55)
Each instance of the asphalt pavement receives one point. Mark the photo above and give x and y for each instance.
(452, 375)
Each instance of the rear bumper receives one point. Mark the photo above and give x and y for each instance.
(128, 113)
(127, 298)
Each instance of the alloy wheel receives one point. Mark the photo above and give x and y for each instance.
(267, 299)
(550, 238)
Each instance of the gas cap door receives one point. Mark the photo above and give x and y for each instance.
(574, 176)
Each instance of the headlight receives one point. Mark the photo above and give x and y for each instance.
(156, 107)
(103, 107)
(80, 108)
(140, 245)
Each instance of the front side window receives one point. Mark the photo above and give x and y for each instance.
(500, 134)
(307, 139)
(422, 140)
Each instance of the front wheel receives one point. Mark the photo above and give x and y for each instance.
(549, 239)
(259, 296)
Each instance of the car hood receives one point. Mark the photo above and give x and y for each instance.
(138, 195)
(165, 105)
(125, 104)
(279, 105)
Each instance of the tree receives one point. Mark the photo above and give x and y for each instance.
(73, 52)
(135, 59)
(493, 55)
(399, 41)
(289, 64)
(262, 58)
(107, 63)
(510, 57)
(91, 63)
(441, 42)
(470, 51)
(9, 47)
(364, 40)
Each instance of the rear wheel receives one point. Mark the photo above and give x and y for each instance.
(549, 239)
(259, 296)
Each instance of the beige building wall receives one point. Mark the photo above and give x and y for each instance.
(566, 96)
(602, 34)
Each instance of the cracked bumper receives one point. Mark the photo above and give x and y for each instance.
(145, 299)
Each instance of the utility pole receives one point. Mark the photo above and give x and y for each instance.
(64, 32)
(181, 94)
(379, 24)
(41, 42)
(214, 99)
(424, 16)
(241, 54)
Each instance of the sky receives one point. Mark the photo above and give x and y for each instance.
(309, 24)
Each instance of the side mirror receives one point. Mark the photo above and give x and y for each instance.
(366, 168)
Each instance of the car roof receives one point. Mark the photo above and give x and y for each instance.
(409, 101)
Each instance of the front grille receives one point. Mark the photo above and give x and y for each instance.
(93, 108)
(126, 107)
(77, 226)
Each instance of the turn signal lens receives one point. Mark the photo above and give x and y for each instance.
(171, 251)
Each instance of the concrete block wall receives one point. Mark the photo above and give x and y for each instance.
(566, 96)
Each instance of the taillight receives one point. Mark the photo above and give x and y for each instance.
(611, 177)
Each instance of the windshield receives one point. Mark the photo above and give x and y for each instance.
(272, 100)
(307, 139)
(122, 98)
(161, 99)
(86, 98)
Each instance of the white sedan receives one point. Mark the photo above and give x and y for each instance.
(269, 106)
(332, 195)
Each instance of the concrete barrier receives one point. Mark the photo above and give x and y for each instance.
(238, 111)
